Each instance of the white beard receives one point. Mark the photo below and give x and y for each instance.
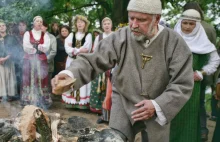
(140, 38)
(148, 36)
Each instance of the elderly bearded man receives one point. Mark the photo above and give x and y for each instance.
(154, 78)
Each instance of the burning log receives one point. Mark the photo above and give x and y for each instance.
(43, 126)
(55, 120)
(33, 119)
(27, 124)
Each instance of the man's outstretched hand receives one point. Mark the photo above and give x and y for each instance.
(55, 83)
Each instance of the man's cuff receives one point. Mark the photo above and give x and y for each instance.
(69, 73)
(161, 119)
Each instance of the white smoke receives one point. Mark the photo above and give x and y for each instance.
(14, 10)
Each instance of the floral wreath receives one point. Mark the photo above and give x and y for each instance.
(121, 25)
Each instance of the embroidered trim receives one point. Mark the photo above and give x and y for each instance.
(191, 17)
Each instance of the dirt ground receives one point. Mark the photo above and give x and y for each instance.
(11, 110)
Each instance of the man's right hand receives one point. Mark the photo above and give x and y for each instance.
(55, 80)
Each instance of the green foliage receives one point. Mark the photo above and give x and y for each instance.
(15, 10)
(95, 10)
(208, 98)
(211, 10)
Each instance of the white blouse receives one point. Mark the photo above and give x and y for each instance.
(28, 47)
(97, 39)
(79, 35)
(212, 64)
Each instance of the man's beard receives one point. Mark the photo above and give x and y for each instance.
(143, 37)
(140, 38)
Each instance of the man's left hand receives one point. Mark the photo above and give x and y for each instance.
(145, 110)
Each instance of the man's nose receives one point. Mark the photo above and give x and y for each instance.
(134, 23)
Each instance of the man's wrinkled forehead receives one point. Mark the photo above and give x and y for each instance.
(133, 14)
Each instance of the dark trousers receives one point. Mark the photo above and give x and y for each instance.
(18, 71)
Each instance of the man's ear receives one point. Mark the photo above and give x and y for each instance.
(158, 18)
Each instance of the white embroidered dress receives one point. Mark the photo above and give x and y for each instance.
(67, 97)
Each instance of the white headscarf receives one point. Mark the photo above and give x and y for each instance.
(37, 17)
(197, 40)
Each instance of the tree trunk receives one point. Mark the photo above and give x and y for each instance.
(120, 14)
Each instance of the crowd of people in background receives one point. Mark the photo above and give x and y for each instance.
(29, 59)
(37, 55)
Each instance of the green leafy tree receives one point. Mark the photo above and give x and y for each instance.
(15, 10)
(64, 10)
(95, 10)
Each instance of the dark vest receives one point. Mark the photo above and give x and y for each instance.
(100, 36)
(78, 43)
(35, 43)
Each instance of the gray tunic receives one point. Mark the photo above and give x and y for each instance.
(167, 78)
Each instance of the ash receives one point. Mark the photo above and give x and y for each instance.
(83, 129)
(76, 127)
(6, 130)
